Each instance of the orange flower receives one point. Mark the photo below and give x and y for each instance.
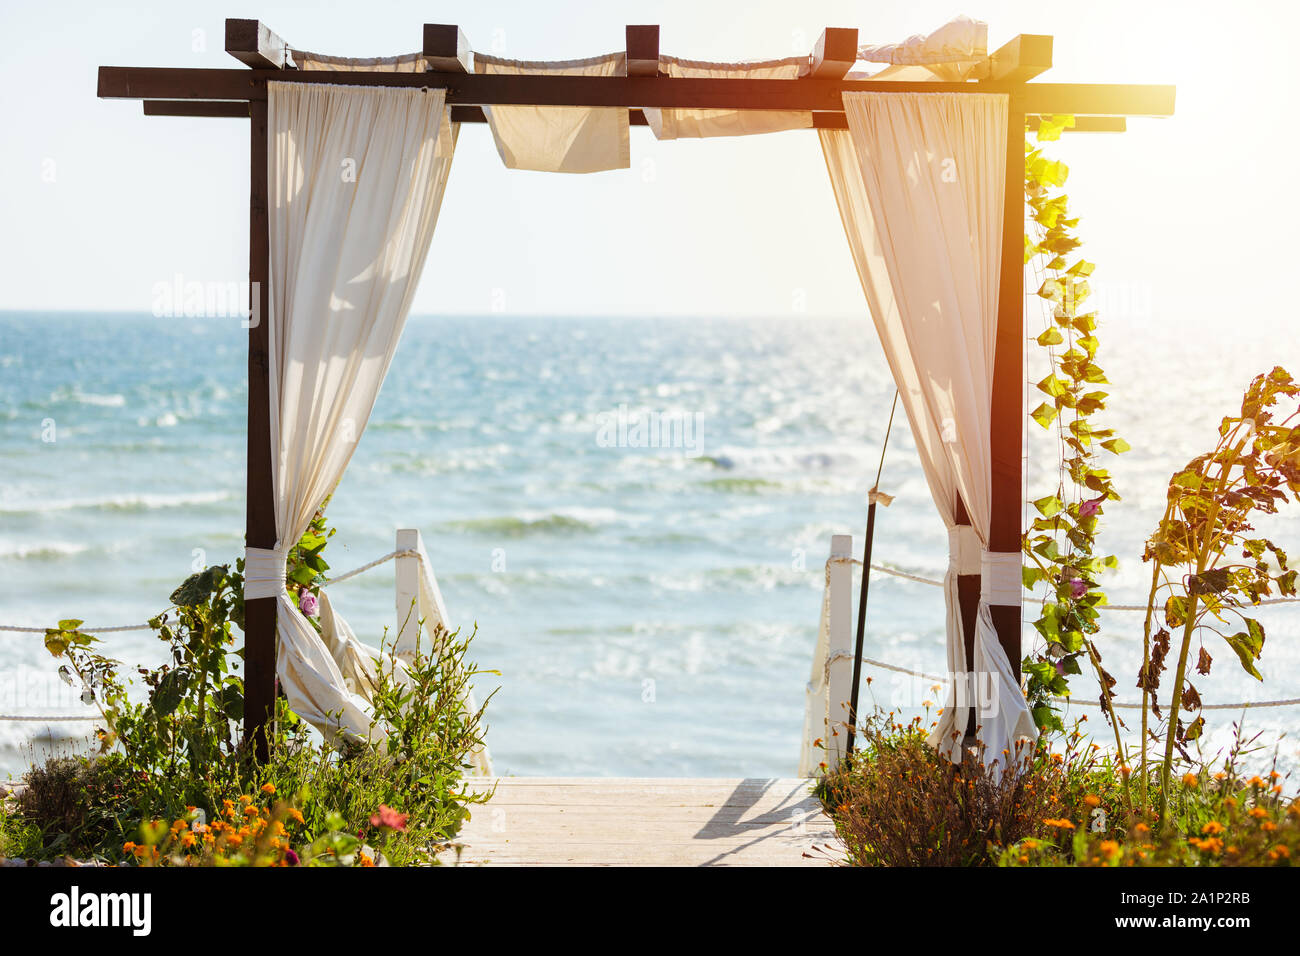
(1061, 824)
(1190, 780)
(1110, 848)
(1092, 800)
(1214, 826)
(268, 788)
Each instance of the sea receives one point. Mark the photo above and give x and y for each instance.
(633, 514)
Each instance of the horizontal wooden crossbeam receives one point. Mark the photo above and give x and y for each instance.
(475, 114)
(473, 89)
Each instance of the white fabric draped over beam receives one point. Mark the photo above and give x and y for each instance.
(689, 123)
(559, 139)
(357, 177)
(954, 52)
(918, 178)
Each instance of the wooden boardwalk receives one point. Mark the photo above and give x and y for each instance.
(613, 821)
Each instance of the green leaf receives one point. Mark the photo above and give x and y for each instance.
(70, 625)
(1248, 644)
(1176, 611)
(166, 697)
(1049, 505)
(1044, 414)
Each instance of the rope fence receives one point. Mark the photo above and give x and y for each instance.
(41, 719)
(883, 665)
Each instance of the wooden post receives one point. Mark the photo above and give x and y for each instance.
(642, 45)
(839, 649)
(446, 49)
(834, 54)
(1008, 418)
(407, 595)
(259, 530)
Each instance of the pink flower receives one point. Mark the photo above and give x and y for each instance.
(388, 817)
(308, 603)
(1090, 508)
(1078, 588)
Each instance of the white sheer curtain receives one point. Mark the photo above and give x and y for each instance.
(559, 139)
(357, 176)
(919, 182)
(690, 123)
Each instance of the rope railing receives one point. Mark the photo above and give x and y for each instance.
(934, 582)
(41, 719)
(939, 679)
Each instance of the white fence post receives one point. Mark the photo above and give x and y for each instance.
(840, 646)
(408, 590)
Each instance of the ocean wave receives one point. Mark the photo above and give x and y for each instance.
(518, 526)
(143, 502)
(49, 551)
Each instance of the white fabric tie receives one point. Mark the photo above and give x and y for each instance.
(1001, 582)
(964, 549)
(264, 573)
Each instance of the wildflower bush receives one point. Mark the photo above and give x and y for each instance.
(173, 782)
(896, 802)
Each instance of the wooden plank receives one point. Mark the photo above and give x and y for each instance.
(259, 529)
(1021, 58)
(642, 50)
(1006, 434)
(446, 48)
(834, 54)
(659, 821)
(253, 43)
(633, 91)
(212, 108)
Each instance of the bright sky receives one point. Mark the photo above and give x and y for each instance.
(1190, 219)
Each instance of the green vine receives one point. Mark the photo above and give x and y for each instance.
(1061, 542)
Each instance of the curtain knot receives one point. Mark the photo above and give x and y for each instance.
(264, 572)
(1000, 578)
(964, 549)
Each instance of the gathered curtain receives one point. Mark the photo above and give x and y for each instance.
(356, 179)
(559, 139)
(693, 123)
(918, 178)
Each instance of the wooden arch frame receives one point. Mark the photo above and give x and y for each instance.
(243, 93)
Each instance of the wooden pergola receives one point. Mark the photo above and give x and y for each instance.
(242, 93)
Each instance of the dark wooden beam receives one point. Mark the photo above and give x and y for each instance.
(1021, 58)
(218, 108)
(642, 50)
(1088, 124)
(259, 525)
(446, 48)
(478, 89)
(835, 53)
(256, 45)
(1007, 422)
